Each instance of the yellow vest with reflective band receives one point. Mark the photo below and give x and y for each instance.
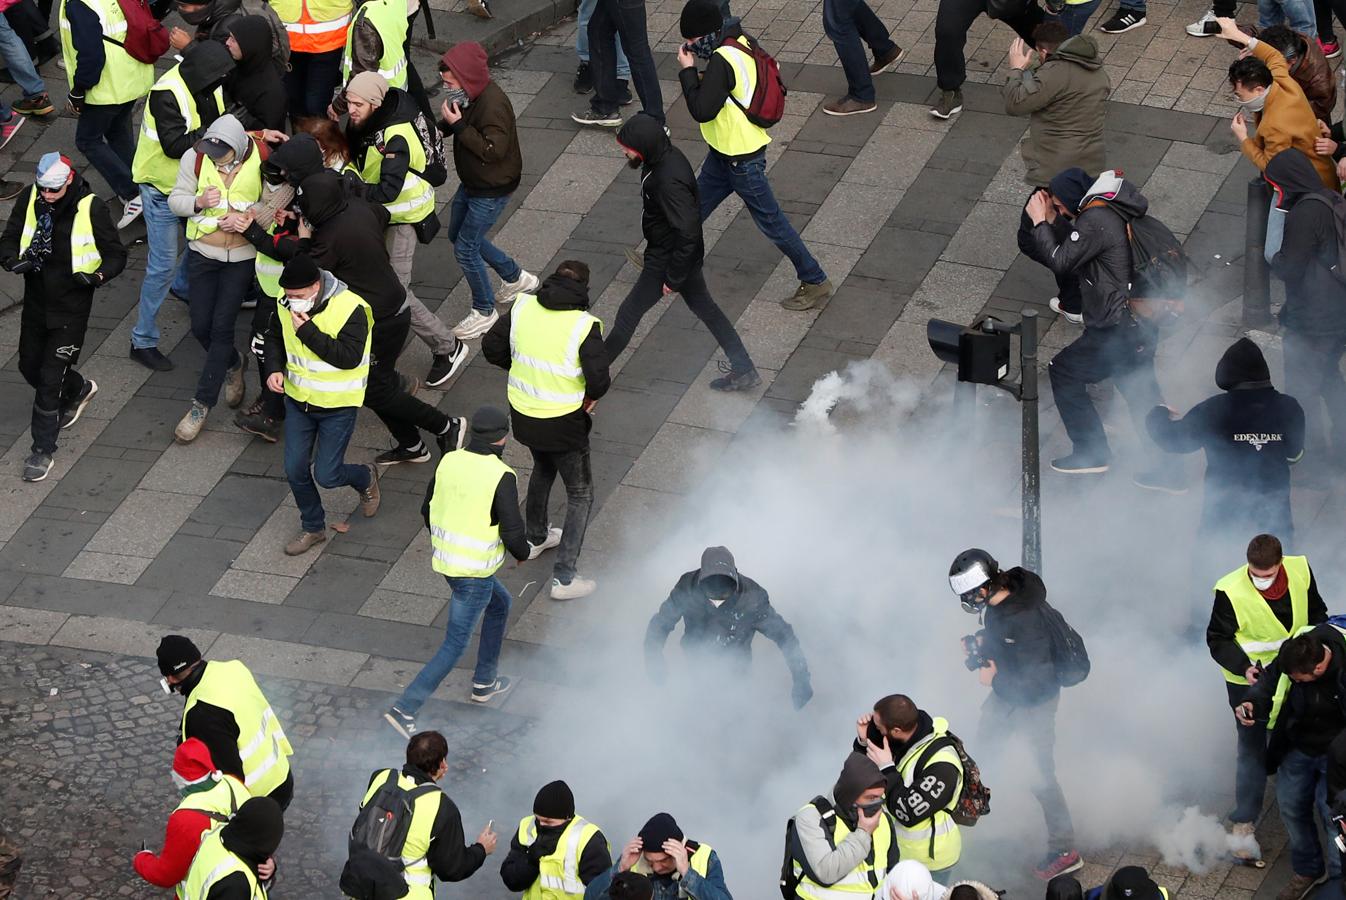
(314, 26)
(864, 879)
(699, 862)
(559, 871)
(730, 132)
(415, 870)
(308, 379)
(389, 18)
(268, 272)
(1284, 684)
(936, 841)
(262, 745)
(220, 802)
(417, 199)
(151, 165)
(1260, 634)
(211, 865)
(464, 542)
(545, 378)
(124, 78)
(84, 255)
(244, 191)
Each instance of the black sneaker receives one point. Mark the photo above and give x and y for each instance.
(624, 93)
(1054, 864)
(418, 454)
(1169, 479)
(1122, 21)
(483, 692)
(152, 359)
(455, 437)
(590, 116)
(255, 421)
(445, 365)
(584, 79)
(34, 106)
(36, 467)
(70, 415)
(1080, 463)
(735, 381)
(402, 723)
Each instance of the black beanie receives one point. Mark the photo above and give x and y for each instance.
(300, 272)
(1132, 883)
(1070, 185)
(660, 828)
(554, 801)
(255, 831)
(176, 653)
(1242, 363)
(490, 423)
(700, 18)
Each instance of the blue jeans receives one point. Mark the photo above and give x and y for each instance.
(1074, 16)
(1275, 230)
(162, 231)
(471, 596)
(1301, 788)
(469, 220)
(851, 24)
(720, 177)
(320, 435)
(103, 134)
(19, 62)
(582, 41)
(1298, 14)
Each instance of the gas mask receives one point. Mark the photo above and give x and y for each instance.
(459, 96)
(1262, 583)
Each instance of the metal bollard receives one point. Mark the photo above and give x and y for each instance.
(1256, 272)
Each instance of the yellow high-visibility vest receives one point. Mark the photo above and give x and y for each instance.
(865, 878)
(699, 862)
(417, 198)
(220, 802)
(1260, 634)
(559, 871)
(730, 132)
(935, 841)
(262, 745)
(425, 807)
(389, 18)
(243, 191)
(124, 78)
(308, 379)
(545, 378)
(464, 542)
(151, 165)
(84, 255)
(211, 865)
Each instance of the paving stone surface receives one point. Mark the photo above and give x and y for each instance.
(912, 218)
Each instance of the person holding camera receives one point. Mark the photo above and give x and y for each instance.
(1012, 655)
(61, 239)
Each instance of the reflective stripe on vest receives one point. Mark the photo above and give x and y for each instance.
(123, 78)
(262, 745)
(936, 841)
(865, 878)
(389, 18)
(212, 864)
(464, 542)
(244, 190)
(730, 132)
(415, 870)
(545, 379)
(84, 255)
(309, 379)
(268, 275)
(558, 871)
(416, 200)
(314, 26)
(151, 165)
(1260, 634)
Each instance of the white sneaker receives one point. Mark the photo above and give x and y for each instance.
(131, 210)
(474, 325)
(553, 539)
(578, 587)
(1072, 318)
(526, 284)
(1206, 26)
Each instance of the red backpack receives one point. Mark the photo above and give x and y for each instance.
(767, 104)
(146, 38)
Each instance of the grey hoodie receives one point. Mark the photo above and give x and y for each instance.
(823, 863)
(218, 245)
(1065, 100)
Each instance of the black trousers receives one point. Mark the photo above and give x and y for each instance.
(1067, 286)
(953, 20)
(649, 290)
(400, 412)
(273, 404)
(47, 358)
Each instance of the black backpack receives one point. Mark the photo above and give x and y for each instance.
(373, 869)
(1158, 263)
(789, 881)
(1068, 653)
(1337, 203)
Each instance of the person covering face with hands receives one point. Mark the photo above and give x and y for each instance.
(678, 868)
(845, 841)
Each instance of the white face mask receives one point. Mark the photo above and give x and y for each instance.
(302, 305)
(1262, 583)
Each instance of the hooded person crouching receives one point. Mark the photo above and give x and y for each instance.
(228, 863)
(845, 840)
(61, 238)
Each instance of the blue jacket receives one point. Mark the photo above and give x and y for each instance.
(86, 36)
(670, 887)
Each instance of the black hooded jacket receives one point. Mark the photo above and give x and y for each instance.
(727, 630)
(1097, 250)
(1313, 713)
(397, 107)
(347, 241)
(571, 431)
(297, 158)
(671, 220)
(213, 19)
(1315, 301)
(253, 835)
(255, 89)
(1251, 434)
(933, 788)
(1017, 640)
(53, 297)
(204, 67)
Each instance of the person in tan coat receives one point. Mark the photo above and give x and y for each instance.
(1308, 67)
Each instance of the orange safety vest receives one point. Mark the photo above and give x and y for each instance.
(315, 26)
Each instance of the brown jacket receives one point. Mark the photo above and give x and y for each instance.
(1064, 99)
(1287, 120)
(1314, 74)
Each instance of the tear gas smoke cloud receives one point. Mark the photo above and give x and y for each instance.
(850, 520)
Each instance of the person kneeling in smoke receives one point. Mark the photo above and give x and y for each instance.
(722, 611)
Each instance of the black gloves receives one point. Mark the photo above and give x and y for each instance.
(18, 266)
(88, 279)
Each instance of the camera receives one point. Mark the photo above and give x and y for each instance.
(972, 647)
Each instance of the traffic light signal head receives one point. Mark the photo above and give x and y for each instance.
(981, 353)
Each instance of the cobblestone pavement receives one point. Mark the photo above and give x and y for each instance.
(133, 535)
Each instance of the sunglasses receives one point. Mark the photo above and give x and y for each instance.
(47, 190)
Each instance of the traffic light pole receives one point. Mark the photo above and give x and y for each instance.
(1032, 464)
